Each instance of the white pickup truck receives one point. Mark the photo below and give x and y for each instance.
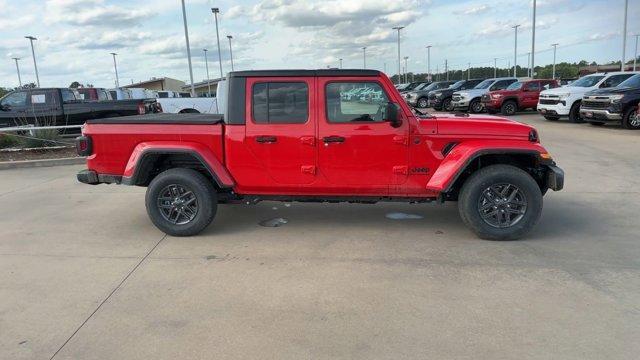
(565, 101)
(204, 105)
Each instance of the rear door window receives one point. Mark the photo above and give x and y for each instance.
(280, 103)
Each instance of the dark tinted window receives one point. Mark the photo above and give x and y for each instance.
(502, 84)
(533, 86)
(355, 101)
(15, 99)
(470, 84)
(67, 95)
(615, 80)
(632, 82)
(103, 95)
(280, 103)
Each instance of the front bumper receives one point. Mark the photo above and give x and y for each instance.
(553, 110)
(462, 104)
(600, 114)
(555, 178)
(491, 104)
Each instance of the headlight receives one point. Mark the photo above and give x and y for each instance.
(564, 96)
(438, 95)
(616, 98)
(496, 96)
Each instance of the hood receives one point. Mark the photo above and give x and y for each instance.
(566, 90)
(505, 92)
(472, 92)
(615, 90)
(482, 125)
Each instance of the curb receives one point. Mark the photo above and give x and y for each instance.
(5, 165)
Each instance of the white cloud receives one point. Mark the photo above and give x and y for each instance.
(94, 13)
(472, 10)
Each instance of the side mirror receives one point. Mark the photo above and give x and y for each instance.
(392, 115)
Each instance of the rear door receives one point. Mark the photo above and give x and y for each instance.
(280, 130)
(359, 151)
(44, 107)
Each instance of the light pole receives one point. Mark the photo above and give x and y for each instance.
(624, 34)
(635, 55)
(406, 69)
(364, 57)
(385, 64)
(115, 67)
(398, 28)
(33, 54)
(469, 72)
(230, 51)
(528, 64)
(215, 12)
(446, 68)
(533, 42)
(18, 70)
(515, 50)
(495, 67)
(429, 62)
(186, 37)
(206, 65)
(553, 76)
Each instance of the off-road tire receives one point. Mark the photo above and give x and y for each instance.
(627, 119)
(473, 189)
(422, 103)
(475, 106)
(574, 113)
(552, 118)
(509, 108)
(198, 184)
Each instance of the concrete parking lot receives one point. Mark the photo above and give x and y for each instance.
(85, 275)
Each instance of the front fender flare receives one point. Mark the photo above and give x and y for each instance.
(464, 153)
(197, 150)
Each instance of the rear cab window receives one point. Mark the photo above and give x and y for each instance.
(357, 101)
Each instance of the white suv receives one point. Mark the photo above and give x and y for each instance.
(565, 101)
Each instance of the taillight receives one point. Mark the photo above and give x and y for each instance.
(83, 145)
(141, 109)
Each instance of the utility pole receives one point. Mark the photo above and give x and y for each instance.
(624, 35)
(437, 72)
(18, 70)
(469, 72)
(115, 67)
(230, 51)
(364, 57)
(186, 37)
(215, 12)
(446, 68)
(33, 54)
(515, 51)
(206, 65)
(533, 42)
(554, 61)
(428, 62)
(635, 56)
(341, 63)
(495, 67)
(406, 69)
(529, 64)
(398, 28)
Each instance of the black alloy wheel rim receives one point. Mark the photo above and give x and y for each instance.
(502, 205)
(634, 119)
(510, 109)
(177, 204)
(448, 105)
(422, 103)
(476, 107)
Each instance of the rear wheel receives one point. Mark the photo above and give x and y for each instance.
(500, 202)
(552, 118)
(422, 103)
(475, 106)
(574, 113)
(181, 202)
(447, 105)
(509, 107)
(631, 119)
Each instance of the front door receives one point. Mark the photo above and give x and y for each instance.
(13, 109)
(280, 132)
(359, 151)
(530, 94)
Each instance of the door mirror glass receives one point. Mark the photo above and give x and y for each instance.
(392, 114)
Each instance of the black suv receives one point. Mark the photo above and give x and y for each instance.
(617, 104)
(441, 99)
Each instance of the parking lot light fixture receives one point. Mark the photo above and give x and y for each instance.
(364, 57)
(515, 51)
(553, 72)
(624, 35)
(206, 66)
(406, 69)
(18, 70)
(341, 63)
(230, 50)
(186, 37)
(429, 62)
(446, 68)
(635, 54)
(469, 71)
(215, 12)
(33, 54)
(398, 28)
(533, 42)
(495, 67)
(115, 67)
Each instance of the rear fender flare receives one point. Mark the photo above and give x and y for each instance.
(199, 151)
(461, 156)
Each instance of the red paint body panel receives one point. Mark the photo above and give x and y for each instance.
(375, 159)
(525, 97)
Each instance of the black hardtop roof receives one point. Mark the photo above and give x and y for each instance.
(319, 72)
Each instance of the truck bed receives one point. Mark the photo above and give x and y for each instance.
(163, 118)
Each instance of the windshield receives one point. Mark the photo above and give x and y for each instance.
(632, 82)
(485, 84)
(422, 86)
(430, 86)
(587, 81)
(515, 86)
(412, 86)
(457, 84)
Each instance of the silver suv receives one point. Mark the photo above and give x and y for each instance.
(469, 100)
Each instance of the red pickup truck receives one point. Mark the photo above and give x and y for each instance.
(518, 96)
(293, 135)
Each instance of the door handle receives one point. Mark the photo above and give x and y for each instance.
(266, 139)
(333, 139)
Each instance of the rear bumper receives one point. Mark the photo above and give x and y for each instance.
(600, 114)
(92, 178)
(555, 178)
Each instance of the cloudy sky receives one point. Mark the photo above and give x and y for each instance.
(75, 37)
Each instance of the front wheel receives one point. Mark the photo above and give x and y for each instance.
(447, 105)
(500, 202)
(631, 119)
(475, 106)
(181, 202)
(574, 113)
(509, 108)
(422, 103)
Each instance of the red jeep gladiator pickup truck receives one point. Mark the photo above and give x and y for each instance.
(292, 135)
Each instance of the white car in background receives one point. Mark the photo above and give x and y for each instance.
(204, 105)
(565, 101)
